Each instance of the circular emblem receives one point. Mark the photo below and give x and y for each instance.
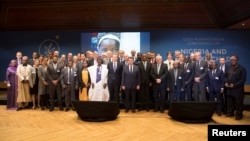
(48, 46)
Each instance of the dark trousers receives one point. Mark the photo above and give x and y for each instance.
(235, 103)
(114, 90)
(144, 96)
(217, 96)
(130, 98)
(55, 91)
(187, 93)
(175, 95)
(200, 91)
(44, 100)
(159, 97)
(69, 95)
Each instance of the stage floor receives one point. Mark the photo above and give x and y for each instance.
(58, 125)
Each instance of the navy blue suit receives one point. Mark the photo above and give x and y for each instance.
(175, 88)
(215, 85)
(130, 80)
(114, 80)
(188, 76)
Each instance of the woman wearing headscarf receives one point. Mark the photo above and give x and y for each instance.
(11, 80)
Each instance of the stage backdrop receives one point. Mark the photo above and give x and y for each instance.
(218, 42)
(41, 42)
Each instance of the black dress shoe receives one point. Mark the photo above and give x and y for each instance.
(19, 108)
(133, 111)
(61, 108)
(162, 111)
(67, 109)
(73, 109)
(238, 117)
(51, 109)
(229, 115)
(42, 108)
(218, 113)
(126, 110)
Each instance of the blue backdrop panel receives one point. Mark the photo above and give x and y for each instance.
(219, 43)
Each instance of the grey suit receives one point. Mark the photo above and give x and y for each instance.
(200, 70)
(43, 90)
(55, 74)
(70, 82)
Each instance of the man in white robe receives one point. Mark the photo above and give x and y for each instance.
(25, 82)
(98, 75)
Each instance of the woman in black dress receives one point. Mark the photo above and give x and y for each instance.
(34, 89)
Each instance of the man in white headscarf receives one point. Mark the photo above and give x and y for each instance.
(98, 75)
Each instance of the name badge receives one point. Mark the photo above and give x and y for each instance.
(201, 68)
(217, 78)
(179, 77)
(58, 70)
(188, 70)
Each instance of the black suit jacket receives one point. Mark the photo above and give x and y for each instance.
(145, 74)
(81, 83)
(114, 77)
(130, 79)
(179, 80)
(236, 76)
(162, 74)
(188, 73)
(201, 71)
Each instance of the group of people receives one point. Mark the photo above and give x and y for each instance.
(142, 78)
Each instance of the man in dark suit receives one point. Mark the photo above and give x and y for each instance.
(159, 73)
(145, 82)
(200, 76)
(114, 78)
(215, 86)
(223, 66)
(33, 58)
(175, 84)
(69, 82)
(130, 83)
(54, 72)
(235, 80)
(188, 76)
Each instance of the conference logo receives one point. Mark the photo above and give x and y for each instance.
(47, 46)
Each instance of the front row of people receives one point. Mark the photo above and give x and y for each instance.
(103, 82)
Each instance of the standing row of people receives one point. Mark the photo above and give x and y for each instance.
(104, 77)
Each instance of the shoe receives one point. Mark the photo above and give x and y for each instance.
(67, 109)
(126, 110)
(155, 110)
(162, 111)
(73, 109)
(61, 108)
(51, 109)
(34, 107)
(133, 111)
(38, 105)
(229, 115)
(238, 117)
(19, 108)
(218, 113)
(42, 108)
